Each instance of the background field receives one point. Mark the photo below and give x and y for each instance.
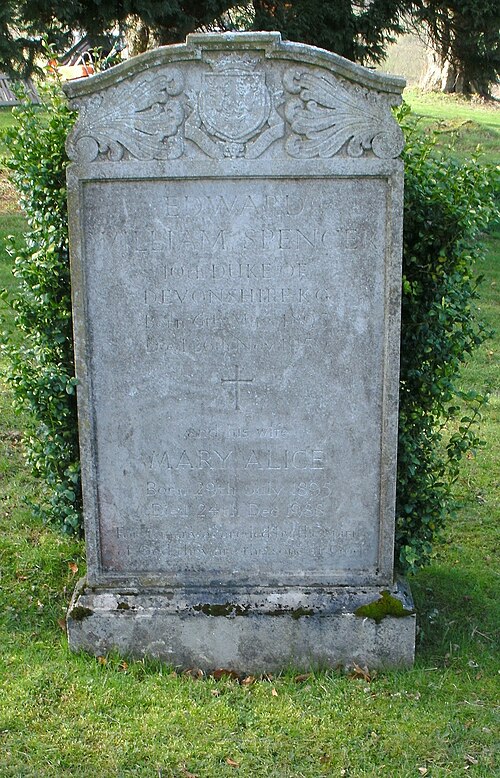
(67, 715)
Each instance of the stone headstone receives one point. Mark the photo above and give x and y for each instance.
(235, 223)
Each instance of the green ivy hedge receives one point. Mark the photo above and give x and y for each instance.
(447, 206)
(41, 368)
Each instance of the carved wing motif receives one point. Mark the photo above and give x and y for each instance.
(326, 115)
(140, 117)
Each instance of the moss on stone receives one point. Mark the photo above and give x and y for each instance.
(225, 609)
(387, 605)
(230, 609)
(295, 614)
(79, 613)
(299, 612)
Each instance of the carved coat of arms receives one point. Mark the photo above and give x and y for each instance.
(233, 107)
(234, 104)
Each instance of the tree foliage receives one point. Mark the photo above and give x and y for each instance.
(26, 26)
(465, 38)
(354, 28)
(23, 34)
(463, 33)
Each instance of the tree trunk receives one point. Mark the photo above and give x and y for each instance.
(440, 75)
(138, 36)
(443, 75)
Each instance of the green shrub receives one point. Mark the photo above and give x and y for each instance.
(41, 370)
(446, 206)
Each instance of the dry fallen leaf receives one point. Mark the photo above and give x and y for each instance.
(360, 672)
(186, 773)
(73, 567)
(62, 624)
(232, 763)
(102, 660)
(224, 673)
(248, 680)
(423, 770)
(302, 677)
(194, 672)
(123, 665)
(274, 692)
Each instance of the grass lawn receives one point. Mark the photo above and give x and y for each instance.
(5, 121)
(5, 117)
(459, 123)
(74, 715)
(7, 193)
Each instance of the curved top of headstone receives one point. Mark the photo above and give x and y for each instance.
(235, 95)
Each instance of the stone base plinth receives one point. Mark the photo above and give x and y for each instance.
(253, 632)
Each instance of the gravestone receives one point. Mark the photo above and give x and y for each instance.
(235, 224)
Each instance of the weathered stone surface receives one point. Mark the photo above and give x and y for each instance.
(235, 213)
(247, 632)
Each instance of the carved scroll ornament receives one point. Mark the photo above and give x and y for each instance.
(326, 115)
(140, 118)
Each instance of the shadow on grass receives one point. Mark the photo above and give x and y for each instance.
(456, 608)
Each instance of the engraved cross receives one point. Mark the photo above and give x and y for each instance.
(236, 381)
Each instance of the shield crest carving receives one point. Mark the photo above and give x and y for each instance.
(234, 104)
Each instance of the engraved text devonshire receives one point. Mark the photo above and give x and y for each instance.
(237, 327)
